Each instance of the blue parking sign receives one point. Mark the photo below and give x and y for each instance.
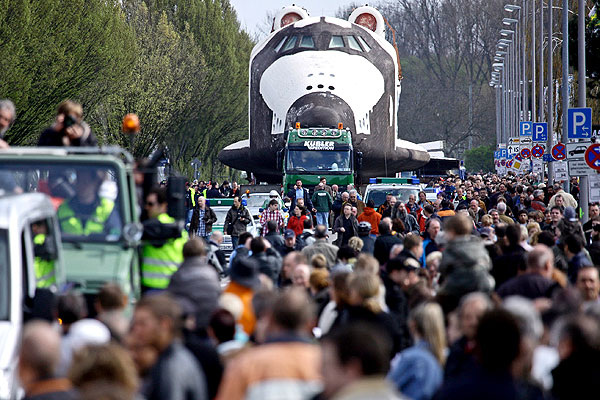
(525, 128)
(547, 157)
(579, 123)
(503, 153)
(540, 132)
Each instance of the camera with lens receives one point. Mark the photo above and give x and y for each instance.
(69, 121)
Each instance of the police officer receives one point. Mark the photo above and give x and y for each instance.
(190, 202)
(163, 248)
(88, 213)
(45, 274)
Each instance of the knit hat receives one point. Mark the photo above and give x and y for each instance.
(244, 271)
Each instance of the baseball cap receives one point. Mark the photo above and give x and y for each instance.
(289, 234)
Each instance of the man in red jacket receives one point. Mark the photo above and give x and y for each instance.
(371, 216)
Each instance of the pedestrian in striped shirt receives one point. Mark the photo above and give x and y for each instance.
(271, 214)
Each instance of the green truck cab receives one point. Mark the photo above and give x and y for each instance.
(94, 194)
(313, 153)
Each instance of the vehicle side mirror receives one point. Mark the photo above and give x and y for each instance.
(132, 233)
(176, 197)
(285, 209)
(261, 210)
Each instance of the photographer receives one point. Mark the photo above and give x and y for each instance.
(68, 129)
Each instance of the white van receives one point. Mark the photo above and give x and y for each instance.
(22, 218)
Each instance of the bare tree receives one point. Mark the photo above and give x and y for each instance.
(446, 48)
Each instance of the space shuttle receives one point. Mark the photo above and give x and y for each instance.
(325, 72)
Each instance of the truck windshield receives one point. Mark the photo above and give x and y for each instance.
(4, 276)
(86, 196)
(318, 161)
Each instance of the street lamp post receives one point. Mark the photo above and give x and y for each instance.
(533, 116)
(513, 54)
(581, 96)
(501, 67)
(520, 55)
(541, 66)
(550, 110)
(565, 75)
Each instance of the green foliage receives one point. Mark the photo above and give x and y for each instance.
(181, 65)
(57, 49)
(480, 159)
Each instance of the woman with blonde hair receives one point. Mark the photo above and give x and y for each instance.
(417, 371)
(532, 229)
(318, 261)
(487, 221)
(364, 306)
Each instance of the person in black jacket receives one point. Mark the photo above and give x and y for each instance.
(537, 280)
(385, 241)
(236, 221)
(273, 236)
(346, 226)
(299, 192)
(68, 129)
(213, 191)
(513, 259)
(175, 374)
(203, 219)
(269, 260)
(364, 306)
(364, 233)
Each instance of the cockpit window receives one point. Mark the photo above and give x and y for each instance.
(353, 43)
(307, 42)
(364, 44)
(336, 42)
(278, 47)
(290, 43)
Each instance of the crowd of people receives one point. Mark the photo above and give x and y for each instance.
(490, 291)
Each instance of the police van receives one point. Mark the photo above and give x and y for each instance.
(401, 188)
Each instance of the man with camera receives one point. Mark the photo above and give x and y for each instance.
(68, 129)
(236, 220)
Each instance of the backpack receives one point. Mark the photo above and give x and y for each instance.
(213, 260)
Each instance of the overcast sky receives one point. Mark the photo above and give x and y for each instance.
(253, 13)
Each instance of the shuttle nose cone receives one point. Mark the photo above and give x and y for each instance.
(320, 110)
(319, 117)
